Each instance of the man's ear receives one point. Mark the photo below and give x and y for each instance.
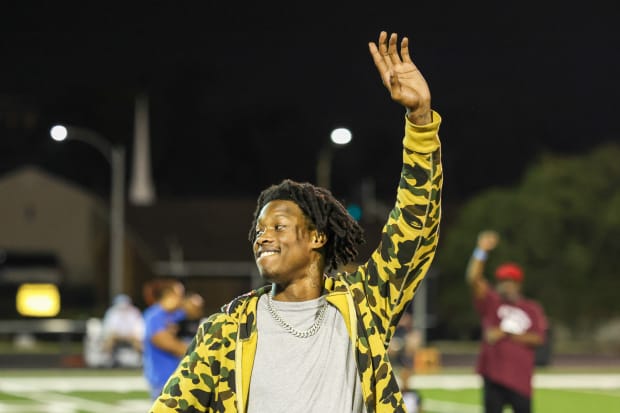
(319, 239)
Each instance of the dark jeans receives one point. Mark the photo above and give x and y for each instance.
(497, 396)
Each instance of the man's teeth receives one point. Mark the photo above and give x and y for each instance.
(265, 253)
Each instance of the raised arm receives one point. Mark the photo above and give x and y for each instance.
(409, 238)
(487, 241)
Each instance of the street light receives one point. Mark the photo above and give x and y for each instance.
(115, 155)
(338, 137)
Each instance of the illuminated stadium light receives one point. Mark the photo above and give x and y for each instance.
(341, 136)
(38, 300)
(58, 133)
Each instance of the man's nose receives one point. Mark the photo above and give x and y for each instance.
(265, 236)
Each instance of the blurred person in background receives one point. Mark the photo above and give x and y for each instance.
(163, 347)
(122, 329)
(193, 303)
(315, 339)
(512, 327)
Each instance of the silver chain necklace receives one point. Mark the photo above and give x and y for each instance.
(289, 328)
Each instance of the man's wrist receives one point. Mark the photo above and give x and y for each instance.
(480, 254)
(420, 116)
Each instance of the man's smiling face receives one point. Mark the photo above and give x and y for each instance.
(284, 242)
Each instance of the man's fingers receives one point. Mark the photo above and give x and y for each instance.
(379, 54)
(379, 63)
(383, 49)
(404, 50)
(392, 50)
(488, 239)
(377, 58)
(489, 234)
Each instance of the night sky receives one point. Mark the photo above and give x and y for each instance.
(244, 96)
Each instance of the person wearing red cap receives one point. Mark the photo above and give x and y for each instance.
(512, 327)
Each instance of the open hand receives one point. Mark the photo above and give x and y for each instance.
(401, 77)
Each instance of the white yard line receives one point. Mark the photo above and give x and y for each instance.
(577, 381)
(431, 381)
(47, 392)
(120, 384)
(444, 381)
(597, 392)
(547, 381)
(55, 402)
(51, 402)
(449, 407)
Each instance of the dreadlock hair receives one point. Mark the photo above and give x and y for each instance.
(326, 214)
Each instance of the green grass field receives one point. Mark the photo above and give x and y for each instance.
(99, 391)
(545, 401)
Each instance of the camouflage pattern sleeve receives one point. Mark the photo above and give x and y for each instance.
(388, 280)
(204, 380)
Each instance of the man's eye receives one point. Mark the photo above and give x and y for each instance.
(279, 227)
(259, 232)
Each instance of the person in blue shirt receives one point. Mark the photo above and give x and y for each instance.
(163, 348)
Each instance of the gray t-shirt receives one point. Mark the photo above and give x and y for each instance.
(313, 374)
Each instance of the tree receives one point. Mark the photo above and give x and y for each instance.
(561, 223)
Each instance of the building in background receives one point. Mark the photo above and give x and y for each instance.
(202, 242)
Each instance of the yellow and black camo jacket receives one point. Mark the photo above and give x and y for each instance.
(214, 375)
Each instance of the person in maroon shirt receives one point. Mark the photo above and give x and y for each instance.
(512, 327)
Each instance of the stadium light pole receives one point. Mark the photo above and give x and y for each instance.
(338, 137)
(115, 155)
